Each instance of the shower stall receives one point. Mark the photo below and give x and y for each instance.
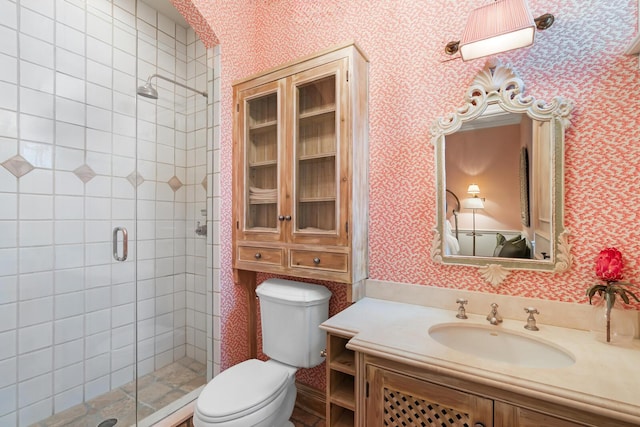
(108, 213)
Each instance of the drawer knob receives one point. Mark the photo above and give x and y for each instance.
(288, 217)
(258, 255)
(316, 261)
(280, 217)
(478, 425)
(323, 353)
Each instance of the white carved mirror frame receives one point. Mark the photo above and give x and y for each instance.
(499, 85)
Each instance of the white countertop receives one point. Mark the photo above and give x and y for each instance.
(605, 378)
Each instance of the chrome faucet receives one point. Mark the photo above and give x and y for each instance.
(531, 321)
(493, 317)
(461, 312)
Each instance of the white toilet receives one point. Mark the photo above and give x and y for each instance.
(262, 394)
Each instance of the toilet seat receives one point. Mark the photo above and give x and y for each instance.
(242, 390)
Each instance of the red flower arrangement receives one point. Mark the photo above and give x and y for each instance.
(609, 269)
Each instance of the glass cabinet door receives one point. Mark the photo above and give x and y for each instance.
(317, 151)
(261, 157)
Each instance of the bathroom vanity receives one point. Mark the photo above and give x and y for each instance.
(386, 367)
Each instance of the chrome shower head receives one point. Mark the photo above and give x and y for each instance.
(148, 91)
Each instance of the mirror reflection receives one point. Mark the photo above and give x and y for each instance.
(498, 197)
(500, 178)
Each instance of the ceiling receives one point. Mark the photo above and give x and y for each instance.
(166, 8)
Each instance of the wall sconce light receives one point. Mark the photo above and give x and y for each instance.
(474, 203)
(498, 27)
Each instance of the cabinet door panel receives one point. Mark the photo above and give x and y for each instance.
(257, 186)
(507, 415)
(399, 400)
(320, 142)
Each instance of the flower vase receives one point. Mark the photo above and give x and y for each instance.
(621, 323)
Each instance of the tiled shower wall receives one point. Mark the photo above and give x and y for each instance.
(68, 176)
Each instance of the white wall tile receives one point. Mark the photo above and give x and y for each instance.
(35, 363)
(8, 403)
(97, 299)
(8, 41)
(36, 51)
(36, 103)
(69, 280)
(70, 39)
(8, 368)
(70, 87)
(98, 321)
(8, 344)
(38, 181)
(69, 329)
(67, 232)
(8, 14)
(122, 357)
(72, 136)
(36, 25)
(97, 275)
(70, 111)
(35, 337)
(96, 387)
(98, 344)
(97, 208)
(123, 336)
(68, 353)
(36, 285)
(67, 183)
(99, 141)
(122, 315)
(8, 68)
(33, 390)
(99, 51)
(99, 28)
(69, 304)
(9, 99)
(69, 207)
(35, 128)
(68, 399)
(35, 259)
(96, 367)
(71, 63)
(99, 74)
(35, 311)
(8, 234)
(70, 15)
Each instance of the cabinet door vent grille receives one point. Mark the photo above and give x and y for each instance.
(407, 411)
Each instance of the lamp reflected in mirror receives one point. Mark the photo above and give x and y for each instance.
(474, 203)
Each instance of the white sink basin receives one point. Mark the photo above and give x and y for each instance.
(494, 343)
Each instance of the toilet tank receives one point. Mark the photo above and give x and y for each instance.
(291, 313)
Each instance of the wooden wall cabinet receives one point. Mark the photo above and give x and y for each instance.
(300, 202)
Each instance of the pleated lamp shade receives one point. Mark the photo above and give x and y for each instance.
(473, 203)
(497, 27)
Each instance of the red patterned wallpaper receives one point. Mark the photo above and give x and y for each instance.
(411, 83)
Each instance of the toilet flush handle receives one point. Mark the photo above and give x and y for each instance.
(323, 353)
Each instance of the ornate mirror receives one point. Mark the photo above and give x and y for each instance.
(500, 179)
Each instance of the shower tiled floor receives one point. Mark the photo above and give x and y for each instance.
(156, 390)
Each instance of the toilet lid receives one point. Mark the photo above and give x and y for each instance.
(243, 388)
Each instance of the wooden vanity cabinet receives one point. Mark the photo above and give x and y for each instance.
(301, 169)
(342, 387)
(401, 395)
(395, 399)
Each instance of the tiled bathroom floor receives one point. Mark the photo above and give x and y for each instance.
(156, 390)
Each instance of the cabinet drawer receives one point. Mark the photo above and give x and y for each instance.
(319, 260)
(272, 256)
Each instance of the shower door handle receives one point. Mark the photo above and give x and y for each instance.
(125, 243)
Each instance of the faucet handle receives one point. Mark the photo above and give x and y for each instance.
(461, 312)
(531, 321)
